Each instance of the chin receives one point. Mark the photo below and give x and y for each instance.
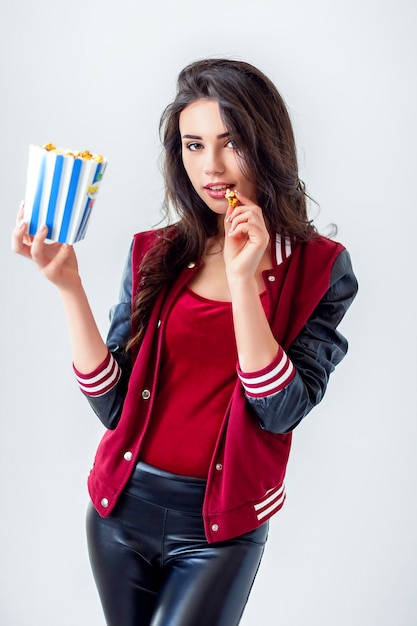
(218, 208)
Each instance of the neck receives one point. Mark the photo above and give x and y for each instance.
(214, 245)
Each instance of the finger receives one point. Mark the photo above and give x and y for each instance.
(19, 239)
(55, 264)
(244, 202)
(243, 199)
(247, 224)
(20, 213)
(241, 229)
(38, 247)
(238, 217)
(20, 218)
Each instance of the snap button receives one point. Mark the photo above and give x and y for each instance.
(104, 502)
(128, 456)
(219, 466)
(271, 278)
(146, 394)
(214, 527)
(191, 265)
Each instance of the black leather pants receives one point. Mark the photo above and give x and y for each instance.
(152, 563)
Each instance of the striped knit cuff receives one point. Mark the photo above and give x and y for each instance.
(269, 380)
(102, 379)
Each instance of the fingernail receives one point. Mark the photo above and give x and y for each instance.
(22, 205)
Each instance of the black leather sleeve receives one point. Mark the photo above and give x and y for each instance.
(315, 353)
(108, 407)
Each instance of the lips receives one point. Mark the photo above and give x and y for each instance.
(217, 190)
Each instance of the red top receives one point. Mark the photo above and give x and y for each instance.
(182, 439)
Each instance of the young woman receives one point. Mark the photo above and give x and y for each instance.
(223, 341)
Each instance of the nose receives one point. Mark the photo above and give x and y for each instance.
(213, 163)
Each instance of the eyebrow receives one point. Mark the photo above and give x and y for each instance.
(222, 136)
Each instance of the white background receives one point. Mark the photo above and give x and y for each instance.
(96, 75)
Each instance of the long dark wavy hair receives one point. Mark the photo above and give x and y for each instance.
(257, 119)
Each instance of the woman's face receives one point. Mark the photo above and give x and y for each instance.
(210, 157)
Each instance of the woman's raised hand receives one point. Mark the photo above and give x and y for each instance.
(246, 238)
(56, 261)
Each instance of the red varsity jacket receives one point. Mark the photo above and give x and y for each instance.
(309, 289)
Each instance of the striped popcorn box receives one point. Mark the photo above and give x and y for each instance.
(61, 188)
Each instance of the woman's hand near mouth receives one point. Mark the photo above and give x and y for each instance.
(246, 239)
